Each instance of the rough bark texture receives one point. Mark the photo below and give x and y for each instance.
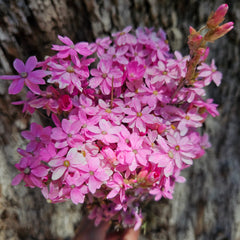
(207, 206)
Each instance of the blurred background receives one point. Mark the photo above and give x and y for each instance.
(207, 206)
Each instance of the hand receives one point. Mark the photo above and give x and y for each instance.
(87, 231)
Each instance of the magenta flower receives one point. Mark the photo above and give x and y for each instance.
(32, 172)
(131, 153)
(106, 132)
(67, 75)
(77, 189)
(26, 75)
(182, 149)
(135, 71)
(138, 117)
(124, 37)
(68, 134)
(189, 119)
(119, 187)
(164, 190)
(38, 136)
(94, 174)
(115, 114)
(117, 55)
(71, 163)
(71, 49)
(210, 73)
(106, 76)
(100, 45)
(122, 135)
(26, 103)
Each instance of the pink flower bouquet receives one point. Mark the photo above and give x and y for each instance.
(123, 129)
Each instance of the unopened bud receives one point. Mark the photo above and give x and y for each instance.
(219, 32)
(194, 39)
(216, 18)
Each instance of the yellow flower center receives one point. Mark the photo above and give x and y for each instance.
(187, 117)
(70, 69)
(170, 154)
(104, 75)
(139, 114)
(108, 110)
(155, 93)
(135, 151)
(177, 148)
(66, 163)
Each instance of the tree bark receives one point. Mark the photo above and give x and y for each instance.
(207, 206)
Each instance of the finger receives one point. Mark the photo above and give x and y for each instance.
(88, 231)
(130, 234)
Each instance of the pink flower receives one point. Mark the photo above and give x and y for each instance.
(131, 152)
(115, 114)
(26, 75)
(94, 174)
(189, 119)
(117, 55)
(135, 71)
(67, 75)
(100, 45)
(106, 132)
(38, 136)
(71, 49)
(26, 103)
(77, 189)
(124, 37)
(138, 117)
(182, 149)
(71, 163)
(218, 16)
(106, 76)
(163, 190)
(32, 172)
(209, 73)
(68, 134)
(119, 186)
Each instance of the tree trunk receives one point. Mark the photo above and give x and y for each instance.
(207, 206)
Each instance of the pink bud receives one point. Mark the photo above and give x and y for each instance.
(142, 175)
(219, 32)
(217, 17)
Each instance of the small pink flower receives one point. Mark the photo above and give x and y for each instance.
(71, 163)
(94, 174)
(26, 75)
(32, 172)
(38, 136)
(209, 73)
(68, 134)
(138, 117)
(106, 132)
(106, 76)
(71, 49)
(119, 186)
(124, 37)
(135, 71)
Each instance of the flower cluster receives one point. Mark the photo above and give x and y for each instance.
(121, 131)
